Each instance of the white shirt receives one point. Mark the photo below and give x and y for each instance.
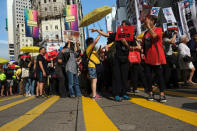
(184, 50)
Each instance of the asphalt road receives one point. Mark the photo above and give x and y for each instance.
(81, 114)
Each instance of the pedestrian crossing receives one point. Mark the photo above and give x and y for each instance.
(94, 116)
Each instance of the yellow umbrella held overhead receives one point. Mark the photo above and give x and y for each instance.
(95, 15)
(30, 49)
(3, 61)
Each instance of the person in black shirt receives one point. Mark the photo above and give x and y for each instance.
(41, 71)
(120, 64)
(60, 71)
(9, 73)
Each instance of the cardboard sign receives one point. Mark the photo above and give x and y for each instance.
(155, 11)
(51, 55)
(126, 32)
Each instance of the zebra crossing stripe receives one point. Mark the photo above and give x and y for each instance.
(28, 117)
(177, 113)
(10, 97)
(4, 107)
(95, 118)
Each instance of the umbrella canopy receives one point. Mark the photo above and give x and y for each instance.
(3, 61)
(30, 49)
(95, 15)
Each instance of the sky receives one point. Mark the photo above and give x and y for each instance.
(3, 32)
(88, 5)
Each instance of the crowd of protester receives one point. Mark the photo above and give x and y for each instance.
(118, 68)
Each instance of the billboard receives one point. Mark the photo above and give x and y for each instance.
(71, 19)
(31, 26)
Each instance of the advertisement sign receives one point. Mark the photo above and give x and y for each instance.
(126, 32)
(169, 15)
(31, 26)
(70, 19)
(70, 11)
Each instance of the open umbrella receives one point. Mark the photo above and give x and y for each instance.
(30, 49)
(3, 61)
(95, 15)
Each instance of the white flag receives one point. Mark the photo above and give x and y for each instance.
(168, 13)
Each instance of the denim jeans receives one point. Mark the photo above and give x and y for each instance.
(73, 81)
(29, 88)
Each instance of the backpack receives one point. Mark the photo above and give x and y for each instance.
(85, 61)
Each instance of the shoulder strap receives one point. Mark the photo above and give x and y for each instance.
(90, 55)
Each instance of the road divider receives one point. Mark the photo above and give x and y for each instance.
(10, 97)
(177, 93)
(15, 103)
(95, 118)
(177, 113)
(28, 117)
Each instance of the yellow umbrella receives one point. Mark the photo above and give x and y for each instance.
(3, 61)
(95, 15)
(30, 49)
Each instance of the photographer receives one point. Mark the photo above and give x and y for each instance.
(169, 39)
(72, 69)
(60, 71)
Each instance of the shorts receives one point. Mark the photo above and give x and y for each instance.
(2, 83)
(190, 65)
(40, 77)
(10, 83)
(92, 73)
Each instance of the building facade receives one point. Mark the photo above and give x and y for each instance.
(15, 15)
(121, 13)
(111, 20)
(52, 19)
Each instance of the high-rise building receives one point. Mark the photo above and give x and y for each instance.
(51, 15)
(111, 20)
(15, 15)
(120, 11)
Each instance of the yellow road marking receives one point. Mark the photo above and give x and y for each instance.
(10, 97)
(177, 113)
(177, 93)
(25, 119)
(14, 103)
(95, 118)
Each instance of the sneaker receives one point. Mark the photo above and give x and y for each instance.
(26, 95)
(72, 96)
(98, 96)
(163, 99)
(117, 98)
(126, 97)
(136, 91)
(151, 97)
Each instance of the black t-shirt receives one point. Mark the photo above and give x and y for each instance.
(121, 50)
(9, 73)
(59, 65)
(44, 63)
